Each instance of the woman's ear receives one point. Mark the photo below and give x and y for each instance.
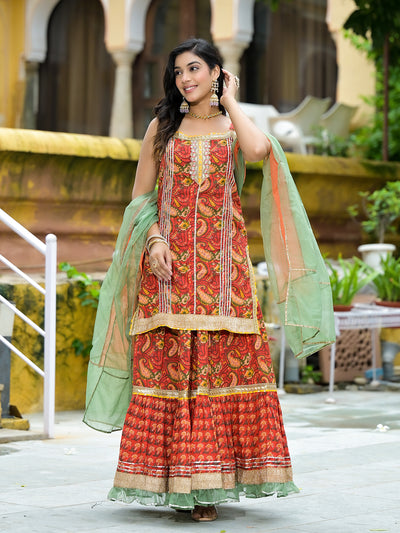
(216, 71)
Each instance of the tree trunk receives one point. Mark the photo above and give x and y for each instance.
(385, 140)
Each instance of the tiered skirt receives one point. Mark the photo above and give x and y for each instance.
(204, 425)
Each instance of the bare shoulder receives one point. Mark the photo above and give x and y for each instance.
(151, 130)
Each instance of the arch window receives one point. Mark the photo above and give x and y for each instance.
(292, 55)
(76, 79)
(168, 23)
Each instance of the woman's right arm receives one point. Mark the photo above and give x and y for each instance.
(146, 172)
(146, 176)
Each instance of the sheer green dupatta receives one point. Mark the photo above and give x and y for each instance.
(109, 380)
(297, 272)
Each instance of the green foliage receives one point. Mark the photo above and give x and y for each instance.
(330, 145)
(89, 296)
(82, 347)
(377, 22)
(382, 209)
(309, 375)
(349, 277)
(387, 282)
(377, 19)
(368, 139)
(90, 289)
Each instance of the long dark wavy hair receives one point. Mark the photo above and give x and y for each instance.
(167, 110)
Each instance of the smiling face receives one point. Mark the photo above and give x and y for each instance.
(193, 77)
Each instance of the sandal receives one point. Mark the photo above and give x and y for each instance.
(204, 514)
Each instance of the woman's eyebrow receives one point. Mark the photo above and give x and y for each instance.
(188, 65)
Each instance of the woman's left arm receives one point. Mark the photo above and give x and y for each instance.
(252, 141)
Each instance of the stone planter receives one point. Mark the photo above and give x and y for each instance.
(373, 253)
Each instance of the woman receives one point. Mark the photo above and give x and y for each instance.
(204, 424)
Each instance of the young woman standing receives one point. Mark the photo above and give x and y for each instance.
(204, 424)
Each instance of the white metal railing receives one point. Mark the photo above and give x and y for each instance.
(49, 250)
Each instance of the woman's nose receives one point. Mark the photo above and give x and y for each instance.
(185, 76)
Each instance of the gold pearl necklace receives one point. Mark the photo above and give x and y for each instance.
(204, 117)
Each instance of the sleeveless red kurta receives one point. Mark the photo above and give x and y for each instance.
(204, 424)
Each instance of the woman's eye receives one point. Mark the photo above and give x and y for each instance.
(194, 68)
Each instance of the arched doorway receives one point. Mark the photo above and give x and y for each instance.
(168, 23)
(292, 54)
(76, 79)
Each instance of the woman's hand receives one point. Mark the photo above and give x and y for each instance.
(231, 87)
(253, 142)
(160, 260)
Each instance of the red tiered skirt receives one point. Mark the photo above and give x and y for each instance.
(204, 425)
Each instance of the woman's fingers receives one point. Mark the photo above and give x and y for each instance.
(231, 81)
(161, 261)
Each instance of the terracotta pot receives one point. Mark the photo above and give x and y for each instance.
(341, 308)
(387, 304)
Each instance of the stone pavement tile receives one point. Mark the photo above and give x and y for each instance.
(316, 509)
(363, 523)
(373, 475)
(341, 446)
(7, 508)
(384, 490)
(59, 496)
(348, 477)
(59, 462)
(108, 516)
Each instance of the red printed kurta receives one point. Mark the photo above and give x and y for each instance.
(201, 217)
(204, 414)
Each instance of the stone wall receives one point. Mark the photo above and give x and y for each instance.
(77, 186)
(74, 322)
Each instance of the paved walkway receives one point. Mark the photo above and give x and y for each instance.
(347, 470)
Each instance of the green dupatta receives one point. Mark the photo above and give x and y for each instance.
(297, 275)
(109, 378)
(296, 270)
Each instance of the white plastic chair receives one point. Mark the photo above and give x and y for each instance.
(294, 129)
(259, 114)
(336, 120)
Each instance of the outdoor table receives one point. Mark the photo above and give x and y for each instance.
(361, 316)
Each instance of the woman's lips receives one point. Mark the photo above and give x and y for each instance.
(189, 89)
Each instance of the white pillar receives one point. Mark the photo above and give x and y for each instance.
(31, 97)
(121, 115)
(231, 52)
(232, 30)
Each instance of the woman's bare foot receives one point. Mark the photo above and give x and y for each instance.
(204, 514)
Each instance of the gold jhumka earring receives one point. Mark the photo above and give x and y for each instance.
(214, 100)
(184, 107)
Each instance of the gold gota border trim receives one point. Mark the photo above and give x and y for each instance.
(204, 391)
(253, 285)
(192, 322)
(203, 481)
(205, 136)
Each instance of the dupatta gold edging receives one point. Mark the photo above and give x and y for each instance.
(297, 275)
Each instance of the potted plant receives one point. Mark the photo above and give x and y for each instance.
(347, 279)
(310, 376)
(387, 282)
(382, 211)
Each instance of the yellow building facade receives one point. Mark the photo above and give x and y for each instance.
(132, 33)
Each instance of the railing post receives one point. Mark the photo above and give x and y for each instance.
(50, 336)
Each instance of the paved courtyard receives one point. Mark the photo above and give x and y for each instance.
(347, 469)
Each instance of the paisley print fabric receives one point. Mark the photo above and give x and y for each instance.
(201, 217)
(204, 416)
